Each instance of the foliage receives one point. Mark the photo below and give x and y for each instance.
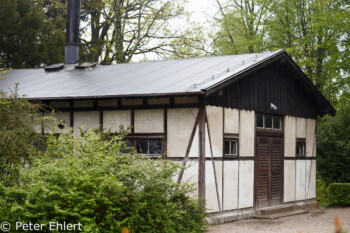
(81, 179)
(314, 32)
(18, 138)
(27, 37)
(321, 191)
(122, 29)
(339, 194)
(333, 146)
(242, 26)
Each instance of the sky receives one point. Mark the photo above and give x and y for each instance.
(201, 9)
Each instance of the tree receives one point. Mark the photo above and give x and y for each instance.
(121, 29)
(333, 146)
(311, 31)
(27, 37)
(242, 26)
(18, 138)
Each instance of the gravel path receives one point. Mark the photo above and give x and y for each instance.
(318, 221)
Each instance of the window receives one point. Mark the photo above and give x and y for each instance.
(268, 122)
(149, 146)
(231, 147)
(260, 121)
(300, 150)
(276, 122)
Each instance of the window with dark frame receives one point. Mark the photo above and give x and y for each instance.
(300, 148)
(268, 122)
(149, 146)
(260, 121)
(231, 147)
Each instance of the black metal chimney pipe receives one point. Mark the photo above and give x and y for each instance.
(72, 34)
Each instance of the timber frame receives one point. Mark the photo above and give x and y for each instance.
(241, 93)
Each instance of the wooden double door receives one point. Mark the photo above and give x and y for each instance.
(268, 170)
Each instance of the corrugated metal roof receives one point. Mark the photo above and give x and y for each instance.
(147, 78)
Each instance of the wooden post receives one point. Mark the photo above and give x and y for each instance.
(201, 158)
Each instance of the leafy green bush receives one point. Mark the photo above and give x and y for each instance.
(333, 146)
(339, 194)
(321, 191)
(86, 179)
(18, 138)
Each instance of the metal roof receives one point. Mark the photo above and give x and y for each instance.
(146, 78)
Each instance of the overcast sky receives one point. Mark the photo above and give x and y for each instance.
(201, 9)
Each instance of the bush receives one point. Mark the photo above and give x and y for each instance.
(18, 138)
(333, 146)
(321, 191)
(339, 194)
(80, 179)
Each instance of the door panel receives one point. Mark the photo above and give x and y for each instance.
(263, 172)
(269, 175)
(276, 170)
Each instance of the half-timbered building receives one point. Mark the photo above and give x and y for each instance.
(244, 125)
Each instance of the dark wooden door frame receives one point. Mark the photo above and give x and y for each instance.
(269, 133)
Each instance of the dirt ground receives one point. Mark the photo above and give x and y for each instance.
(317, 221)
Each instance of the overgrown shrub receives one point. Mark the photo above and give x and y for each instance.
(87, 180)
(18, 138)
(333, 146)
(339, 194)
(321, 191)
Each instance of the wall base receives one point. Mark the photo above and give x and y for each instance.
(247, 213)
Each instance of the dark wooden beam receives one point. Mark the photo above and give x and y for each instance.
(201, 160)
(165, 130)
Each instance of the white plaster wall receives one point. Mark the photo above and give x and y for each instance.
(88, 118)
(211, 197)
(310, 179)
(180, 126)
(218, 169)
(289, 136)
(300, 179)
(301, 127)
(247, 133)
(194, 151)
(113, 119)
(310, 138)
(289, 181)
(207, 143)
(149, 121)
(230, 180)
(246, 184)
(231, 120)
(190, 176)
(215, 122)
(63, 117)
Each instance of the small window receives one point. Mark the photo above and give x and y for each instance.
(276, 122)
(149, 146)
(300, 150)
(260, 121)
(268, 122)
(231, 147)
